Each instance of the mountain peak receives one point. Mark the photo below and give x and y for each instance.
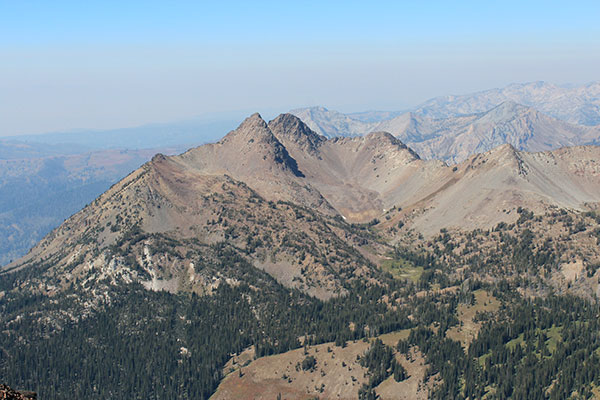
(383, 138)
(158, 157)
(505, 154)
(251, 148)
(309, 110)
(505, 148)
(254, 120)
(251, 129)
(510, 106)
(319, 108)
(288, 128)
(290, 124)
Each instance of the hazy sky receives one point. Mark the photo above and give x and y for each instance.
(104, 64)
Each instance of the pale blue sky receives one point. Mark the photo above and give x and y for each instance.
(84, 64)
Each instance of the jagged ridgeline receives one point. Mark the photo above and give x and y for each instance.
(277, 238)
(535, 116)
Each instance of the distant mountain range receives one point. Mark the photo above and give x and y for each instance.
(452, 128)
(176, 134)
(574, 104)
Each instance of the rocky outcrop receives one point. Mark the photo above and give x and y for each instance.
(7, 393)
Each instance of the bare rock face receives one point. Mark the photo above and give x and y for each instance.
(251, 148)
(252, 154)
(294, 133)
(6, 393)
